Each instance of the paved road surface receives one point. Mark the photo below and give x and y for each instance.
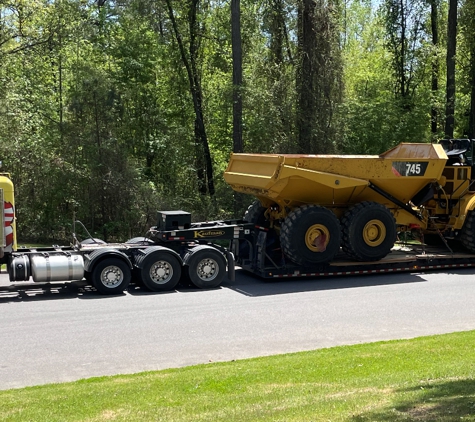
(62, 332)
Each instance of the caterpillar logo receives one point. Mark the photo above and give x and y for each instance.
(209, 233)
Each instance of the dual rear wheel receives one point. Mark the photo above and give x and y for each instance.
(312, 234)
(159, 269)
(368, 231)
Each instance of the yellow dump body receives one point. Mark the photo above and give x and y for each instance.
(336, 180)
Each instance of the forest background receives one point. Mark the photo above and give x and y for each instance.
(113, 110)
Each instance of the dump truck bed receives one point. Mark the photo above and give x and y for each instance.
(332, 180)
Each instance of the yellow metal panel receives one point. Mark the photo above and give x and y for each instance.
(416, 151)
(337, 179)
(331, 180)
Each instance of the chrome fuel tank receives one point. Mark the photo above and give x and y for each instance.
(57, 267)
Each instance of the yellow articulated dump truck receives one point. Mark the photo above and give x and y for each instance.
(317, 206)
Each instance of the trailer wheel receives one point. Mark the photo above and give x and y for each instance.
(467, 235)
(160, 271)
(111, 276)
(368, 231)
(310, 235)
(255, 214)
(206, 267)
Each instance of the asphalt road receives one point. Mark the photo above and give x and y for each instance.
(62, 332)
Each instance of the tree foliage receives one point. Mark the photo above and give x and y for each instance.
(112, 110)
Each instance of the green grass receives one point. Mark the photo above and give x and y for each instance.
(426, 379)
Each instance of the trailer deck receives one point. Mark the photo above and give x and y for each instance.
(403, 258)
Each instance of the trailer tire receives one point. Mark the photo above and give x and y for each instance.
(368, 231)
(111, 276)
(467, 235)
(205, 267)
(255, 214)
(310, 234)
(160, 271)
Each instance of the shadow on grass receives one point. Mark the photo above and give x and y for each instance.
(447, 401)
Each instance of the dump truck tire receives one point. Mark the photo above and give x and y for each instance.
(255, 214)
(467, 236)
(368, 231)
(310, 235)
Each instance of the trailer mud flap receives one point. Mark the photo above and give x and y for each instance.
(231, 266)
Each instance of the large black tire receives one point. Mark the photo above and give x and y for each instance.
(205, 267)
(160, 271)
(111, 276)
(255, 214)
(467, 235)
(368, 231)
(310, 235)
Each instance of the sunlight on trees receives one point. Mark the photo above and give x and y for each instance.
(112, 110)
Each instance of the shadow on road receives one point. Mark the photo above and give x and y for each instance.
(30, 291)
(255, 286)
(245, 284)
(27, 292)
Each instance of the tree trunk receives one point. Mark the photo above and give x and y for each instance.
(237, 75)
(435, 65)
(237, 92)
(306, 75)
(471, 118)
(319, 76)
(402, 63)
(451, 50)
(204, 162)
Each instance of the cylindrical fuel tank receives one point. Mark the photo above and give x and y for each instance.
(57, 267)
(19, 268)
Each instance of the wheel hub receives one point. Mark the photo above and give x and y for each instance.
(317, 238)
(161, 272)
(207, 269)
(111, 276)
(374, 233)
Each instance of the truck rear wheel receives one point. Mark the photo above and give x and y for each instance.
(310, 235)
(467, 235)
(368, 231)
(206, 267)
(160, 271)
(111, 276)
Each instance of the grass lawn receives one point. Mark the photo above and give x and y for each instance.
(425, 379)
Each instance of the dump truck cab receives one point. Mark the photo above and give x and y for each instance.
(459, 151)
